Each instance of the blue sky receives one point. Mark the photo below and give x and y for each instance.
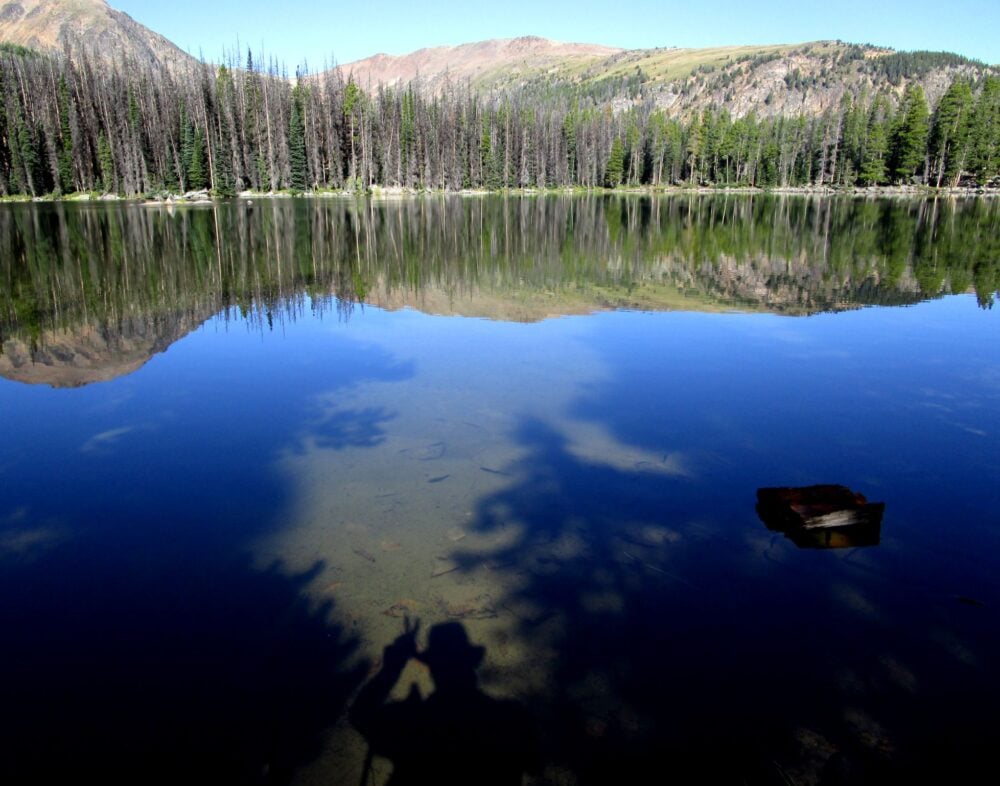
(316, 31)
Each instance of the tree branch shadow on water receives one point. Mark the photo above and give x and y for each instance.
(148, 645)
(672, 654)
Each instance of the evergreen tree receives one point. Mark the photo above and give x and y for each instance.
(187, 149)
(876, 146)
(615, 168)
(66, 183)
(908, 143)
(171, 181)
(984, 132)
(224, 184)
(352, 109)
(569, 140)
(712, 131)
(949, 137)
(632, 156)
(27, 143)
(408, 138)
(675, 151)
(136, 128)
(853, 132)
(770, 160)
(225, 151)
(488, 161)
(16, 180)
(695, 143)
(501, 148)
(196, 166)
(297, 142)
(5, 185)
(254, 161)
(106, 164)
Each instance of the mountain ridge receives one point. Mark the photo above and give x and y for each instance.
(92, 25)
(766, 80)
(504, 113)
(476, 59)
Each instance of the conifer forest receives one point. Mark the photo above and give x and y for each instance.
(74, 123)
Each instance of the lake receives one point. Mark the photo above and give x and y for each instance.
(247, 446)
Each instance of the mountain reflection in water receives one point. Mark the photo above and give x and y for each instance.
(91, 292)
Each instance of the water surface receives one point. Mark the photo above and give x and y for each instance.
(243, 442)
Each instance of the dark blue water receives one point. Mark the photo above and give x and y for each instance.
(203, 556)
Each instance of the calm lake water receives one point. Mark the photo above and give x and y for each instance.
(245, 445)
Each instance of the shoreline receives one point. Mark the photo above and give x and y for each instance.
(203, 197)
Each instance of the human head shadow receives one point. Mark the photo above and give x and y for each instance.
(458, 734)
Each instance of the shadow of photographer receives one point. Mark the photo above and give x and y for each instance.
(458, 734)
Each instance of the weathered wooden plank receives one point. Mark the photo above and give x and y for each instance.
(847, 518)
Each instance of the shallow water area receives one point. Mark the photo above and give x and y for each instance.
(245, 448)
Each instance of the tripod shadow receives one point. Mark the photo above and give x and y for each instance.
(456, 735)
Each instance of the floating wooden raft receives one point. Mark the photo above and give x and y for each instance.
(821, 516)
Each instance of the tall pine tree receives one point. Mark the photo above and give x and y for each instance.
(949, 138)
(615, 168)
(908, 144)
(66, 183)
(297, 142)
(876, 145)
(196, 166)
(985, 132)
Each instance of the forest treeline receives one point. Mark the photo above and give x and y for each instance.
(76, 124)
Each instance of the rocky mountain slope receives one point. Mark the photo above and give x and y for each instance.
(768, 81)
(485, 63)
(788, 79)
(54, 25)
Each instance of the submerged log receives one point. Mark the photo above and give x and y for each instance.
(825, 516)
